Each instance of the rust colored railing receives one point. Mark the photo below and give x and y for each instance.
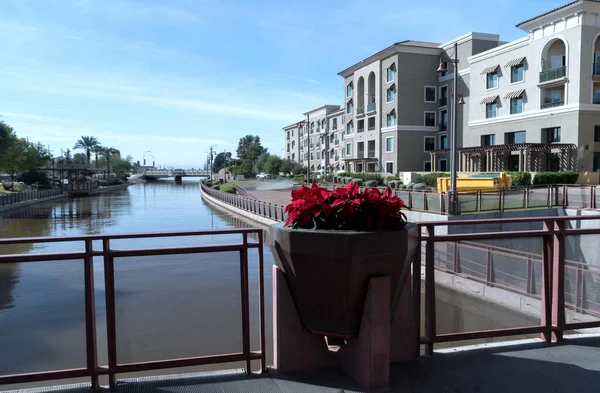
(92, 369)
(553, 234)
(265, 209)
(24, 196)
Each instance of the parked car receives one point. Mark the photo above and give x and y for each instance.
(262, 176)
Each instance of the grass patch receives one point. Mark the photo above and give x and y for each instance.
(244, 183)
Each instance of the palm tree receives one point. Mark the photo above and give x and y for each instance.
(89, 144)
(107, 152)
(97, 150)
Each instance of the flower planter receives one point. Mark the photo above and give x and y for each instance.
(328, 272)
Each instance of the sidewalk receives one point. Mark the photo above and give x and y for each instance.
(281, 198)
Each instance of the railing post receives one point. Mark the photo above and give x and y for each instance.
(529, 276)
(565, 198)
(410, 200)
(425, 206)
(245, 302)
(547, 252)
(579, 290)
(489, 267)
(416, 290)
(442, 203)
(548, 199)
(526, 197)
(430, 317)
(90, 316)
(478, 201)
(111, 323)
(456, 258)
(558, 282)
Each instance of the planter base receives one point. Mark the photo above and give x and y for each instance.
(366, 358)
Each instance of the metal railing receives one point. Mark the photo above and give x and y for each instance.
(552, 104)
(92, 368)
(265, 209)
(556, 73)
(443, 101)
(443, 127)
(12, 198)
(176, 172)
(77, 187)
(371, 107)
(360, 110)
(371, 153)
(554, 266)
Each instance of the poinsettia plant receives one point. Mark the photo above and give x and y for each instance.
(345, 208)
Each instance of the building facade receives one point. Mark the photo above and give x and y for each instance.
(532, 104)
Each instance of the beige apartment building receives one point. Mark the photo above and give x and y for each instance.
(531, 104)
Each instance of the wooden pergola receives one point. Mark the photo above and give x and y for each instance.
(494, 158)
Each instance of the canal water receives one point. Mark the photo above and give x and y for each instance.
(168, 306)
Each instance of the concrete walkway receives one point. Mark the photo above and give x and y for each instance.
(523, 367)
(281, 198)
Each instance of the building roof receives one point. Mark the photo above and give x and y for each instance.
(551, 11)
(418, 44)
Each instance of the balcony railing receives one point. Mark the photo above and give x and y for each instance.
(360, 154)
(550, 75)
(552, 104)
(371, 107)
(443, 101)
(371, 153)
(443, 127)
(360, 129)
(371, 128)
(360, 110)
(337, 142)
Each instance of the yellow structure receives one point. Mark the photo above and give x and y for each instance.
(477, 182)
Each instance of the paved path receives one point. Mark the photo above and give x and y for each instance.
(281, 198)
(531, 367)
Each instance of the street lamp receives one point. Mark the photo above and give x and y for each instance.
(452, 207)
(147, 151)
(308, 147)
(153, 159)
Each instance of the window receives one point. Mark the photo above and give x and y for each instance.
(390, 73)
(334, 123)
(288, 135)
(488, 140)
(391, 119)
(443, 96)
(430, 94)
(516, 73)
(288, 147)
(371, 123)
(596, 162)
(348, 149)
(516, 105)
(492, 80)
(323, 123)
(292, 133)
(443, 165)
(596, 133)
(389, 144)
(552, 134)
(343, 119)
(361, 126)
(349, 90)
(349, 107)
(427, 166)
(515, 137)
(349, 128)
(444, 142)
(443, 74)
(443, 120)
(389, 167)
(553, 162)
(430, 119)
(391, 94)
(491, 110)
(429, 143)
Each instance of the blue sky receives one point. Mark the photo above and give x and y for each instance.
(176, 76)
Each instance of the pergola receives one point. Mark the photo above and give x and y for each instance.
(494, 158)
(363, 161)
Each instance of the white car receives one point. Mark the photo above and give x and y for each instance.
(262, 176)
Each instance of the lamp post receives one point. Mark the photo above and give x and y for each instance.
(147, 151)
(153, 159)
(308, 147)
(452, 202)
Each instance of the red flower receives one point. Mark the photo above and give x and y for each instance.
(346, 208)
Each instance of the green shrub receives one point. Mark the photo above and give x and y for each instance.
(371, 183)
(409, 186)
(392, 184)
(391, 178)
(358, 181)
(430, 179)
(567, 177)
(299, 178)
(419, 187)
(402, 186)
(228, 188)
(543, 178)
(520, 179)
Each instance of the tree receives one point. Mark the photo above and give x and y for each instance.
(109, 152)
(97, 150)
(221, 161)
(261, 161)
(89, 144)
(273, 165)
(248, 151)
(23, 156)
(80, 159)
(7, 137)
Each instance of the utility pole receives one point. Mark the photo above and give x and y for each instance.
(210, 160)
(308, 148)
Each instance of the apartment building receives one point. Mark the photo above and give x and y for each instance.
(531, 104)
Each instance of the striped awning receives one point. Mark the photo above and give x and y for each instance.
(514, 94)
(489, 100)
(489, 70)
(515, 62)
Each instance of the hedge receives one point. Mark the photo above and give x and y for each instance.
(358, 181)
(430, 179)
(544, 178)
(520, 179)
(419, 187)
(371, 183)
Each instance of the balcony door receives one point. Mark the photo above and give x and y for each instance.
(558, 61)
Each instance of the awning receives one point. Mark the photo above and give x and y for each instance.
(489, 70)
(515, 62)
(489, 100)
(514, 94)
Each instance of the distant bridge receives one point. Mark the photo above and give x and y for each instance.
(178, 174)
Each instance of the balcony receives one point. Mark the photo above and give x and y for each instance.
(361, 129)
(443, 101)
(371, 128)
(551, 75)
(360, 154)
(337, 142)
(371, 107)
(371, 153)
(360, 111)
(552, 104)
(443, 127)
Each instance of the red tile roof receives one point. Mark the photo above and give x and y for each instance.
(549, 12)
